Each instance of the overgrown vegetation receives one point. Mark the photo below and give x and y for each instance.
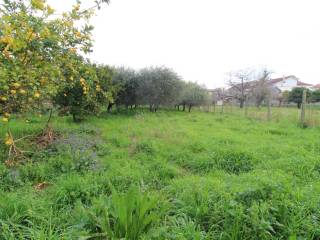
(165, 175)
(136, 174)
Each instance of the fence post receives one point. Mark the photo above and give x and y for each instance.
(246, 106)
(269, 108)
(303, 108)
(222, 106)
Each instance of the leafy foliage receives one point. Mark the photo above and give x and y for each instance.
(236, 179)
(193, 95)
(295, 95)
(315, 96)
(125, 216)
(36, 48)
(160, 86)
(88, 94)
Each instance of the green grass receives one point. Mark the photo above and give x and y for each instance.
(167, 175)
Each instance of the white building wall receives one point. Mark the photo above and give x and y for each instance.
(287, 84)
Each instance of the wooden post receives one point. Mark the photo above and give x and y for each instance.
(246, 106)
(222, 106)
(303, 108)
(269, 108)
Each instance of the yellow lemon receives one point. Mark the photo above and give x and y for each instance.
(5, 119)
(73, 50)
(50, 10)
(16, 85)
(8, 141)
(23, 91)
(37, 95)
(13, 92)
(3, 99)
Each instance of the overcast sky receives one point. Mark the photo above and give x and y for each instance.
(204, 39)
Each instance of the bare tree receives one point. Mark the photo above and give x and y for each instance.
(261, 90)
(240, 83)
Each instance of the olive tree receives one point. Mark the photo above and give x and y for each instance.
(159, 86)
(193, 95)
(126, 83)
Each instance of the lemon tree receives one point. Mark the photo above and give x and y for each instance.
(91, 90)
(39, 52)
(35, 46)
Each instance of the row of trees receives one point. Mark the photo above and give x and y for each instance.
(42, 66)
(155, 86)
(295, 96)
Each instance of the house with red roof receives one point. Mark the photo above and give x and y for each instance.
(277, 86)
(316, 87)
(287, 83)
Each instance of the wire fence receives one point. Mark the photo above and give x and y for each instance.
(287, 113)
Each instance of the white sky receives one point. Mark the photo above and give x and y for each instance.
(202, 40)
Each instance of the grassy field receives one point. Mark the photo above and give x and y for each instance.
(166, 175)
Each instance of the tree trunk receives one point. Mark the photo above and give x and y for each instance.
(299, 105)
(241, 103)
(246, 107)
(190, 106)
(74, 117)
(49, 119)
(109, 107)
(184, 107)
(178, 106)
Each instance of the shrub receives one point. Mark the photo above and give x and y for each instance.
(179, 227)
(146, 148)
(76, 188)
(124, 216)
(233, 161)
